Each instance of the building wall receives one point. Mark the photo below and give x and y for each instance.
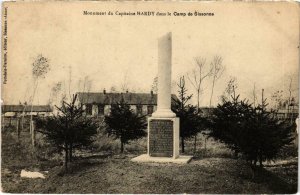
(95, 109)
(145, 109)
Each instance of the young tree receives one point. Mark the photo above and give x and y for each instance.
(40, 68)
(270, 134)
(217, 71)
(55, 90)
(228, 121)
(124, 124)
(188, 114)
(199, 74)
(125, 82)
(70, 81)
(277, 98)
(229, 90)
(69, 130)
(251, 131)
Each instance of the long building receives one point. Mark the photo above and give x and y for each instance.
(15, 110)
(99, 104)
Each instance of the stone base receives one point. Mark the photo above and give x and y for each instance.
(145, 158)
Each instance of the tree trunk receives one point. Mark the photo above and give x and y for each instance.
(23, 116)
(212, 91)
(195, 143)
(34, 91)
(32, 133)
(70, 153)
(122, 146)
(198, 100)
(182, 144)
(22, 122)
(260, 160)
(66, 158)
(198, 104)
(205, 139)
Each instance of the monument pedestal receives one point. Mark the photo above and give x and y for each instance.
(163, 142)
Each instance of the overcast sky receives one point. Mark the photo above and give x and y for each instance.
(259, 43)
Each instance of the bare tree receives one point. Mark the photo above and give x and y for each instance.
(40, 68)
(196, 78)
(198, 75)
(277, 98)
(254, 95)
(113, 89)
(125, 84)
(230, 89)
(154, 86)
(87, 86)
(24, 106)
(217, 71)
(182, 93)
(54, 92)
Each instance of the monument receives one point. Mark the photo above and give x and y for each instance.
(163, 125)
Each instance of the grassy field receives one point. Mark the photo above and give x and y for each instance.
(213, 171)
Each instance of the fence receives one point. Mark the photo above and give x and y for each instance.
(10, 123)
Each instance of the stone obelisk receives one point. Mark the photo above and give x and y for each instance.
(164, 77)
(163, 125)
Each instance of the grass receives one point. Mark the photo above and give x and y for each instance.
(100, 172)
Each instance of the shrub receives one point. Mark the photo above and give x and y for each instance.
(69, 130)
(124, 124)
(251, 131)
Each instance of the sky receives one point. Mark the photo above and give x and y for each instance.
(258, 42)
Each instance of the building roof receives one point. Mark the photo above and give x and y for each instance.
(112, 98)
(20, 108)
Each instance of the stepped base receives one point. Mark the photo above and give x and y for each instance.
(145, 158)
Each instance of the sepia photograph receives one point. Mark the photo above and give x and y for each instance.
(149, 97)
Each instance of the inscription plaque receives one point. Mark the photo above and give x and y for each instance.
(161, 138)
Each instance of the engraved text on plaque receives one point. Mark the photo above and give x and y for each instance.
(161, 138)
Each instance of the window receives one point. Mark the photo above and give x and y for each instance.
(149, 109)
(101, 109)
(139, 109)
(88, 109)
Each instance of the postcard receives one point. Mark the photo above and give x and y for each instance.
(149, 97)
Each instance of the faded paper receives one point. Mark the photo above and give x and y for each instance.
(258, 42)
(105, 47)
